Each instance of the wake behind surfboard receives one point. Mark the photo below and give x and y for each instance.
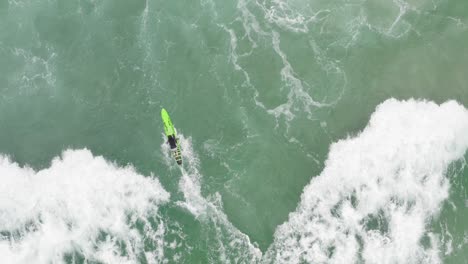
(171, 134)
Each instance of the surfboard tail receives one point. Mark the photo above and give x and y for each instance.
(177, 154)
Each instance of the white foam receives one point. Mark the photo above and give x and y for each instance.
(374, 199)
(81, 203)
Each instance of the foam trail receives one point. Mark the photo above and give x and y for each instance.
(232, 245)
(81, 205)
(375, 198)
(281, 14)
(296, 88)
(299, 97)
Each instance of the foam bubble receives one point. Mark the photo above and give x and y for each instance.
(81, 206)
(374, 199)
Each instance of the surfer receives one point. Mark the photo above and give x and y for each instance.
(171, 134)
(172, 142)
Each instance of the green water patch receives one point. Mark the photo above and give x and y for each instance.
(4, 5)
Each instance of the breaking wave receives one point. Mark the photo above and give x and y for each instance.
(375, 199)
(80, 208)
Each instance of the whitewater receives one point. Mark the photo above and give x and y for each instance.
(373, 202)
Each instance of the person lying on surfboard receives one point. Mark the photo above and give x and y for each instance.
(171, 134)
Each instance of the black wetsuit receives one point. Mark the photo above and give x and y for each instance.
(172, 142)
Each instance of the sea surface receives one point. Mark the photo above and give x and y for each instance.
(312, 131)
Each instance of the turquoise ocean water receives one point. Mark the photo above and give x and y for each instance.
(312, 131)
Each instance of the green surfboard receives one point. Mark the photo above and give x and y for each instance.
(168, 126)
(171, 134)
